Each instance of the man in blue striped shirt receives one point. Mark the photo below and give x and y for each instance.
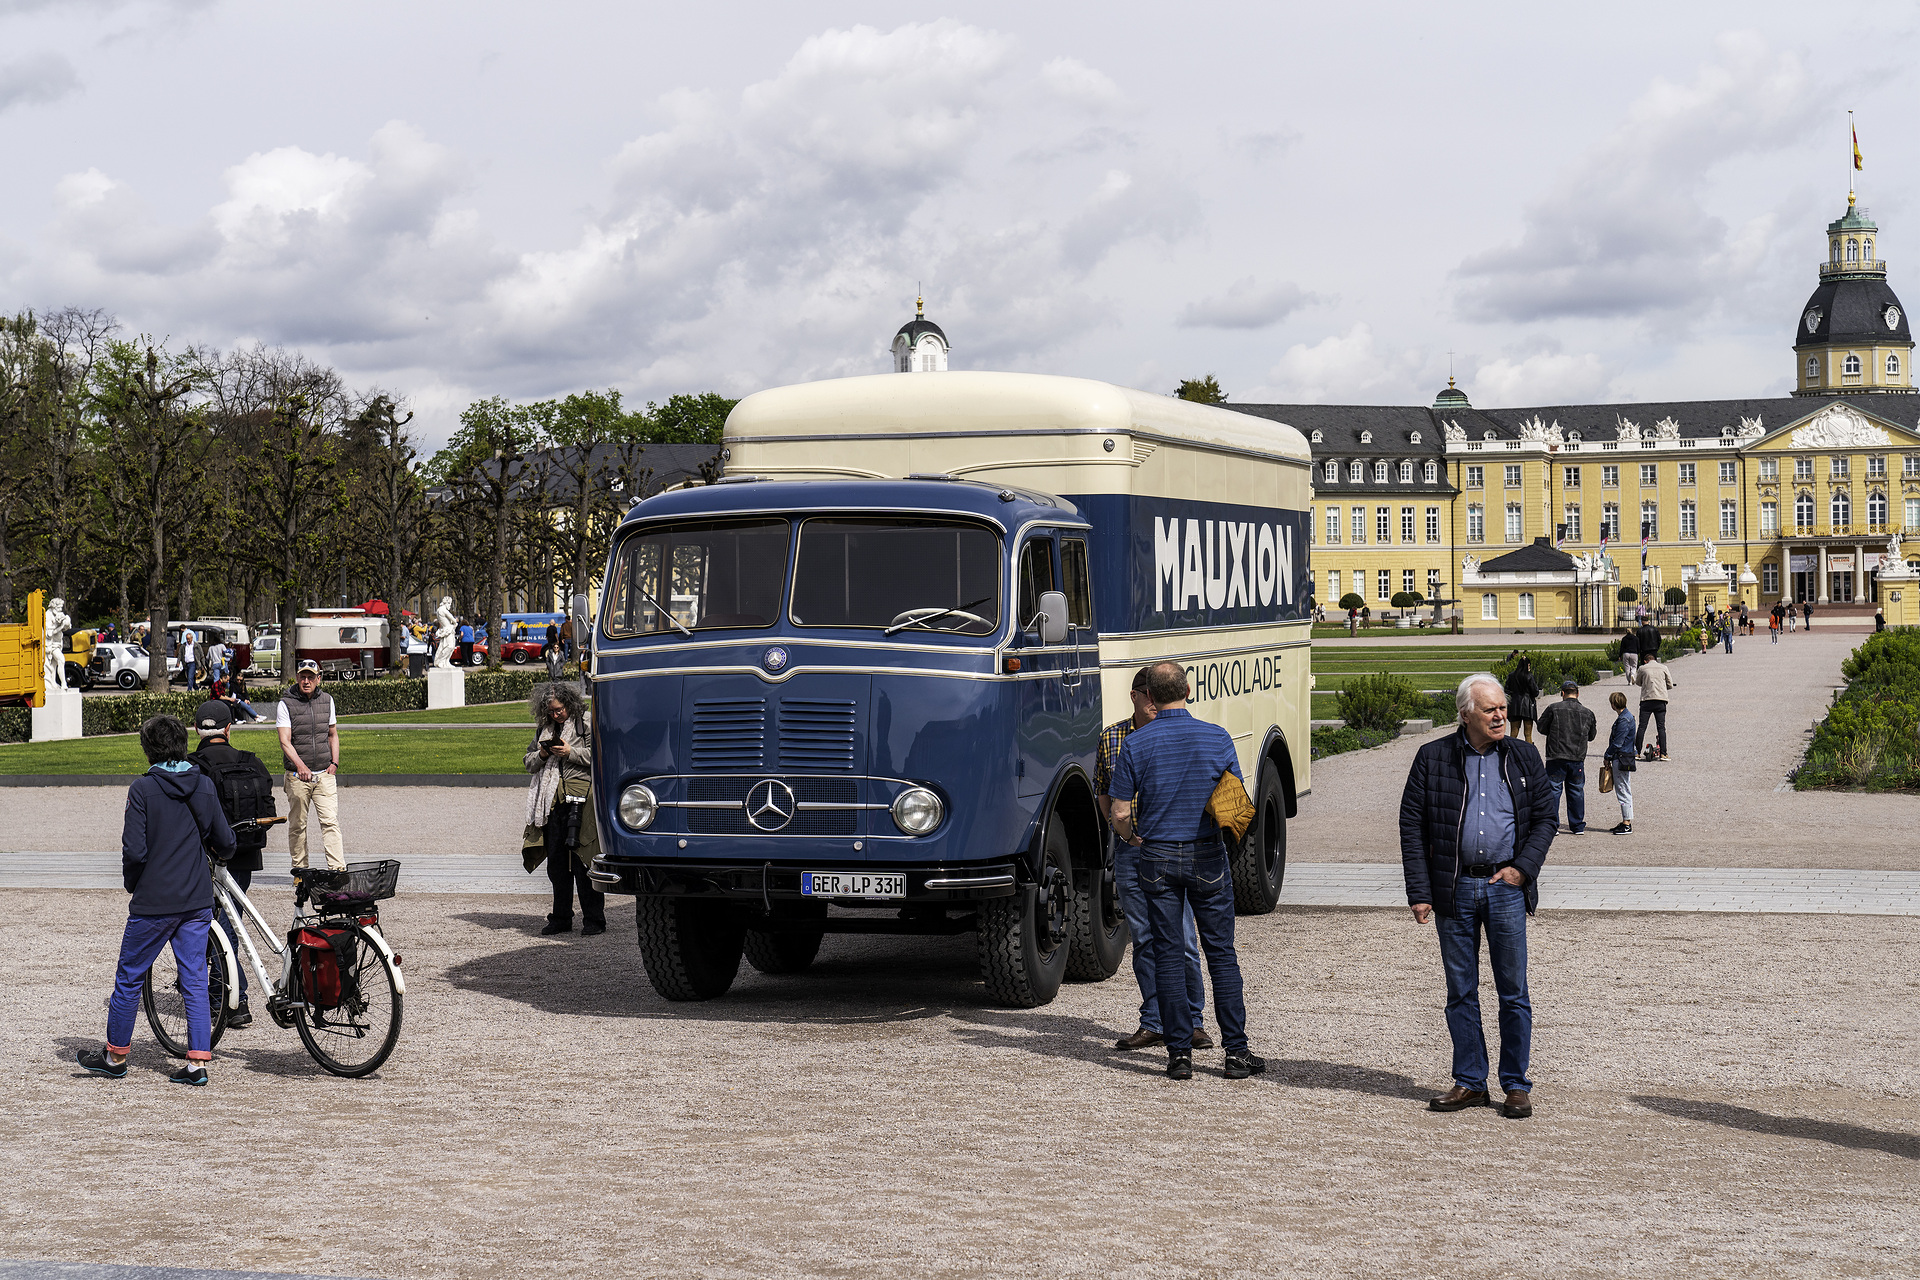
(1172, 764)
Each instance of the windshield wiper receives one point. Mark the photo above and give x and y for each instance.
(663, 612)
(921, 617)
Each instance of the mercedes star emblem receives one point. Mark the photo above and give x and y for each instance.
(770, 804)
(775, 658)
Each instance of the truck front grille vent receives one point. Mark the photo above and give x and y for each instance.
(816, 734)
(729, 733)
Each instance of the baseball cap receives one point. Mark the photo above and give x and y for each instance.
(212, 717)
(1569, 686)
(307, 664)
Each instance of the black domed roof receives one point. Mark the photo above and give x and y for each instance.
(914, 328)
(1852, 310)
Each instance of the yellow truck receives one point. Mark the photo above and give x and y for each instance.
(23, 663)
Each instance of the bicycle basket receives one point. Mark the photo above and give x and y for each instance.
(361, 885)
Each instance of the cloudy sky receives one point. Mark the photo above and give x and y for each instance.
(1312, 202)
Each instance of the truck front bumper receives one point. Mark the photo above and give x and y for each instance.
(763, 883)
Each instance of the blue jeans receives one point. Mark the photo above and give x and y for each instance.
(192, 672)
(1570, 776)
(1126, 879)
(1727, 636)
(1174, 878)
(141, 942)
(1502, 910)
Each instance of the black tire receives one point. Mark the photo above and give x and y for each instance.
(1097, 928)
(691, 948)
(166, 1005)
(1024, 940)
(127, 679)
(1260, 863)
(520, 657)
(356, 1036)
(789, 949)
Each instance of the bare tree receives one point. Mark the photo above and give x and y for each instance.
(387, 504)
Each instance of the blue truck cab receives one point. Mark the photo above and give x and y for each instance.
(831, 699)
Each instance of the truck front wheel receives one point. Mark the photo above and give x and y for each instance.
(1025, 939)
(1097, 936)
(691, 947)
(792, 947)
(1261, 861)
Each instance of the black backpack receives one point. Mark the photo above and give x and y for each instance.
(245, 789)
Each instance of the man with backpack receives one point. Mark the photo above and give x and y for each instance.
(245, 791)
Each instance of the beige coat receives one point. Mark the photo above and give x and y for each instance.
(575, 781)
(1656, 682)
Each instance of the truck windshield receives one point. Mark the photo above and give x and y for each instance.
(897, 575)
(707, 575)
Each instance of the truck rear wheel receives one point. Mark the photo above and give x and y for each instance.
(791, 948)
(1097, 928)
(691, 947)
(1261, 862)
(1024, 940)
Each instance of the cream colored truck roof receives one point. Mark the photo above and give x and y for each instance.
(962, 404)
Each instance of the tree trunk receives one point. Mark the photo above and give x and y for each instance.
(497, 583)
(157, 610)
(186, 592)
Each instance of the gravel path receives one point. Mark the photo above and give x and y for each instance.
(547, 1115)
(1738, 722)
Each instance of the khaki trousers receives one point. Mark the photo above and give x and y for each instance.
(324, 794)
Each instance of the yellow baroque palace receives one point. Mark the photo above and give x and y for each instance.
(1809, 498)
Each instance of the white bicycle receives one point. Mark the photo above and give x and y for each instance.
(339, 982)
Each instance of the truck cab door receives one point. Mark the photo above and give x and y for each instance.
(1083, 679)
(1040, 734)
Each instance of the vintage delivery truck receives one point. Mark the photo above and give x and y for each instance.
(868, 669)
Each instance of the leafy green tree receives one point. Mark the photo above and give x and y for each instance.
(594, 467)
(486, 467)
(689, 419)
(1628, 595)
(1675, 596)
(1352, 601)
(1204, 390)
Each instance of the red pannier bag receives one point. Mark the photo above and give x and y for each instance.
(323, 955)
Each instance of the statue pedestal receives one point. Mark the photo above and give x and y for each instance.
(60, 719)
(446, 687)
(1899, 597)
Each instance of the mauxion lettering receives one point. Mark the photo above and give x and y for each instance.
(1221, 564)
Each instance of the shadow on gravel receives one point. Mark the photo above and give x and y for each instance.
(1058, 1035)
(1304, 1073)
(1854, 1136)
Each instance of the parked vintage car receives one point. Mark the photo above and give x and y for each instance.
(266, 655)
(124, 664)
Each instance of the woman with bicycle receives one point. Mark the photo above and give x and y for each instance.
(173, 817)
(560, 828)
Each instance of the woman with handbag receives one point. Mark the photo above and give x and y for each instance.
(1522, 694)
(1618, 765)
(560, 829)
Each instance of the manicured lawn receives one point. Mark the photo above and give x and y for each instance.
(394, 751)
(486, 713)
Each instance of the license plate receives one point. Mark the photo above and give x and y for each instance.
(852, 884)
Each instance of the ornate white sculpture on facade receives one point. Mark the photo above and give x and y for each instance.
(1469, 567)
(55, 623)
(1539, 432)
(1838, 427)
(1453, 431)
(1750, 427)
(1894, 558)
(1709, 559)
(449, 627)
(1666, 429)
(1627, 429)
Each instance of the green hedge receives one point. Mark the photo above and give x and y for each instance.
(1379, 702)
(1871, 738)
(16, 724)
(1550, 668)
(1333, 742)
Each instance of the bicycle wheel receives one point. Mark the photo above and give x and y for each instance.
(166, 1003)
(354, 1037)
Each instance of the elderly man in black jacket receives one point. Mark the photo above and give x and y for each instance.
(1476, 819)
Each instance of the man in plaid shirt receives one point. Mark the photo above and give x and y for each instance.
(1126, 874)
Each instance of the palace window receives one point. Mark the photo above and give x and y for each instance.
(1803, 468)
(1379, 473)
(1383, 525)
(1689, 523)
(1433, 584)
(1769, 519)
(1571, 516)
(1853, 251)
(1726, 473)
(1610, 477)
(1866, 249)
(1359, 526)
(1476, 522)
(1406, 526)
(1851, 365)
(1813, 369)
(1432, 472)
(1893, 365)
(1433, 524)
(1569, 477)
(1834, 249)
(1333, 473)
(1406, 473)
(1476, 477)
(1729, 518)
(1803, 511)
(1876, 511)
(1489, 607)
(1876, 466)
(1610, 521)
(1687, 470)
(1406, 581)
(1841, 509)
(1649, 473)
(1333, 526)
(1333, 585)
(1650, 521)
(1837, 468)
(1769, 468)
(1356, 471)
(1513, 477)
(1385, 580)
(1770, 577)
(1526, 606)
(1913, 513)
(1513, 522)
(1317, 437)
(1910, 466)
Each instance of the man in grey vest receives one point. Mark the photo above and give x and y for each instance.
(310, 748)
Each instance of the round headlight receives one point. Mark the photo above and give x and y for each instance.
(917, 811)
(637, 807)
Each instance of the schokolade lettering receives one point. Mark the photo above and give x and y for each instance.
(1233, 677)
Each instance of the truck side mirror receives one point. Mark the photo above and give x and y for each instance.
(578, 606)
(1053, 617)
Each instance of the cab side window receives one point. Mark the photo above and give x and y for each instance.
(1073, 570)
(1036, 576)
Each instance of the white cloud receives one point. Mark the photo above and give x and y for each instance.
(1348, 367)
(1247, 305)
(36, 79)
(1074, 81)
(1625, 231)
(1545, 377)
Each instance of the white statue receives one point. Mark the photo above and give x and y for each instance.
(1666, 429)
(1540, 432)
(56, 624)
(1710, 558)
(1894, 559)
(1837, 427)
(1453, 431)
(1469, 567)
(449, 629)
(1626, 429)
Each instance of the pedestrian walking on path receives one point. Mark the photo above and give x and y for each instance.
(1773, 626)
(1630, 651)
(172, 817)
(1620, 757)
(244, 788)
(1476, 821)
(1656, 688)
(1806, 613)
(1522, 690)
(1568, 727)
(1133, 902)
(1726, 631)
(560, 827)
(310, 751)
(187, 660)
(1173, 764)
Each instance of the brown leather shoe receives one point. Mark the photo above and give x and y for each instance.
(1141, 1039)
(1518, 1106)
(1201, 1040)
(1458, 1098)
